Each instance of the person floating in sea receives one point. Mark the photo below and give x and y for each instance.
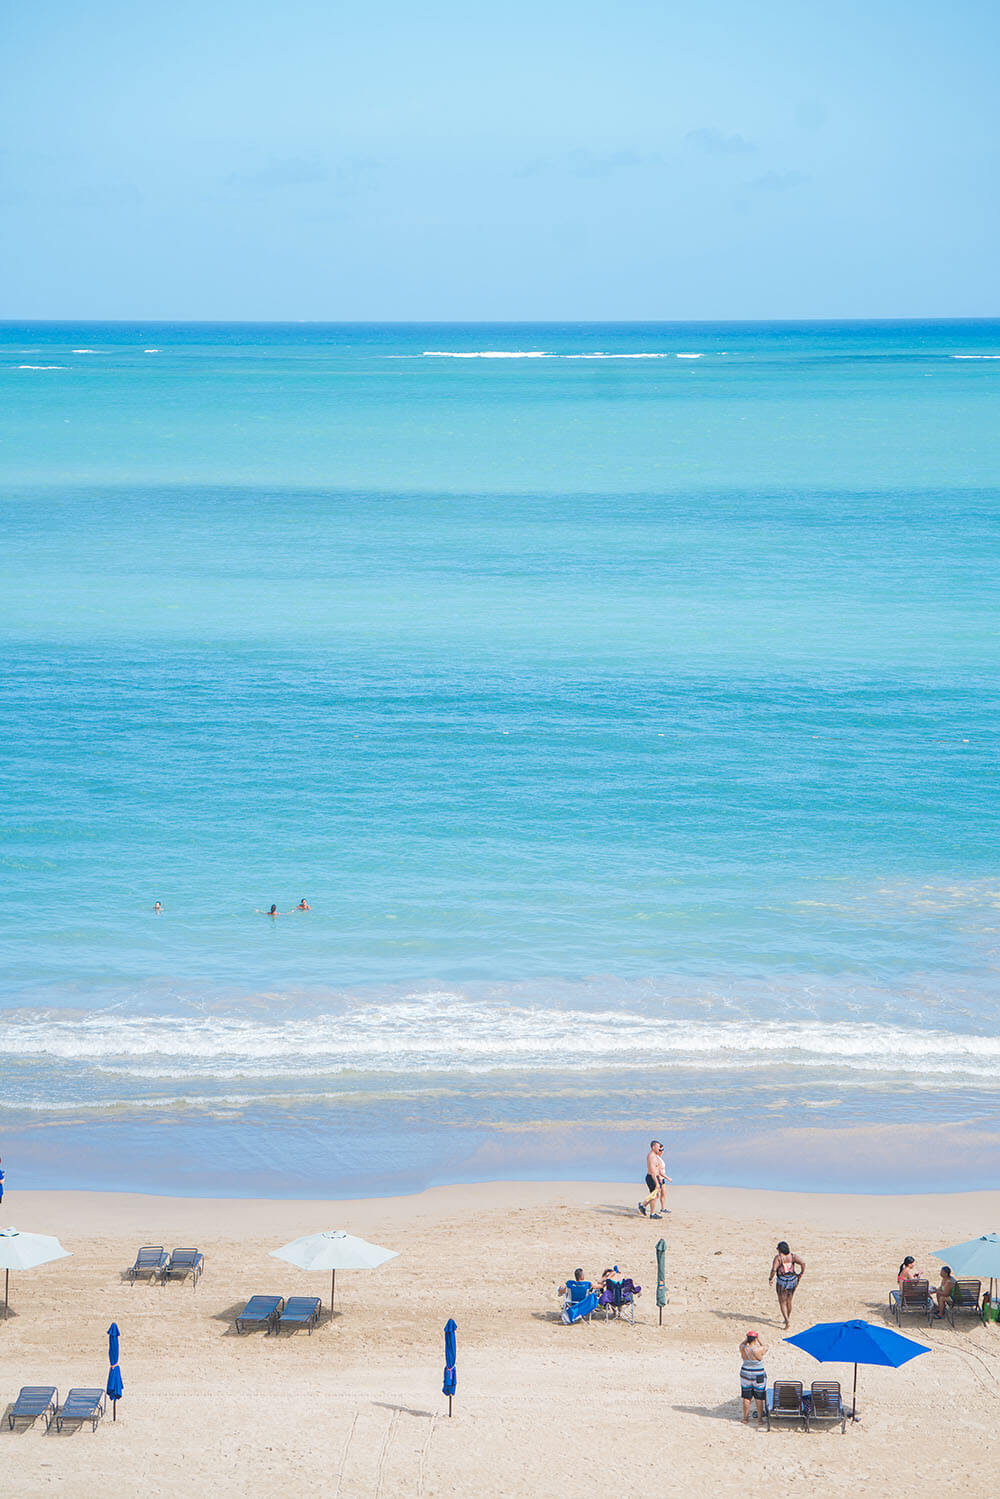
(158, 908)
(272, 912)
(656, 1179)
(785, 1277)
(303, 905)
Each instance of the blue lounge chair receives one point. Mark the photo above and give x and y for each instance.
(825, 1403)
(300, 1311)
(580, 1302)
(260, 1311)
(34, 1400)
(149, 1261)
(80, 1406)
(183, 1262)
(785, 1402)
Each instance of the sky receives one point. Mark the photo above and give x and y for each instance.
(540, 159)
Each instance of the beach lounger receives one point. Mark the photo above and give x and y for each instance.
(825, 1403)
(912, 1298)
(260, 1311)
(149, 1261)
(785, 1403)
(181, 1263)
(300, 1311)
(80, 1406)
(580, 1301)
(619, 1297)
(965, 1300)
(34, 1400)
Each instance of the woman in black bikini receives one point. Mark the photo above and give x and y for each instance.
(786, 1272)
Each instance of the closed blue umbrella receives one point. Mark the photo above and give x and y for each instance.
(450, 1359)
(661, 1276)
(114, 1386)
(857, 1342)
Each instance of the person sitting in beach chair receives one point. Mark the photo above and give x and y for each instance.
(943, 1293)
(912, 1296)
(966, 1297)
(579, 1298)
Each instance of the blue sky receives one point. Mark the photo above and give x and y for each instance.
(541, 159)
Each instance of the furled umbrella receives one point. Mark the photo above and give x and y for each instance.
(857, 1342)
(114, 1386)
(976, 1258)
(661, 1276)
(450, 1360)
(333, 1250)
(20, 1251)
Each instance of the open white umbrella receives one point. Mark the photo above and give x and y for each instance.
(333, 1250)
(23, 1252)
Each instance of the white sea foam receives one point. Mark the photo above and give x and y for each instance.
(688, 356)
(447, 1033)
(975, 356)
(612, 356)
(83, 351)
(150, 351)
(487, 354)
(41, 366)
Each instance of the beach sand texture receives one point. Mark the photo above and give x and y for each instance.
(542, 1409)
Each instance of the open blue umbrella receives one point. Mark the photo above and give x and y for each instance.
(976, 1258)
(114, 1386)
(450, 1360)
(857, 1343)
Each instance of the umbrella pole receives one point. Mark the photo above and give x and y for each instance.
(661, 1316)
(333, 1287)
(449, 1405)
(854, 1402)
(114, 1410)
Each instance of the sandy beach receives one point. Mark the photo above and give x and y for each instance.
(542, 1409)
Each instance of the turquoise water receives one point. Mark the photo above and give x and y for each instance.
(629, 721)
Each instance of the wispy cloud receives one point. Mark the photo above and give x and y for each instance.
(301, 172)
(779, 182)
(715, 143)
(585, 163)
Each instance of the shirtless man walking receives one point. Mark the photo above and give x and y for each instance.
(656, 1179)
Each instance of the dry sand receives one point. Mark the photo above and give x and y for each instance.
(542, 1409)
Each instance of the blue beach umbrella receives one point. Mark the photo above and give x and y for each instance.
(661, 1276)
(114, 1386)
(857, 1343)
(450, 1359)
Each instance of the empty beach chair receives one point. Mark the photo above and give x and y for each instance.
(183, 1262)
(149, 1261)
(965, 1300)
(34, 1400)
(260, 1311)
(300, 1311)
(785, 1403)
(912, 1298)
(825, 1403)
(80, 1406)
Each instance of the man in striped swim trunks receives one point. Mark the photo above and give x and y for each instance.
(753, 1378)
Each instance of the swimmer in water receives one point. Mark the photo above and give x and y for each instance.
(303, 905)
(158, 908)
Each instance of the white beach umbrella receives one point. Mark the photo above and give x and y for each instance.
(23, 1252)
(333, 1250)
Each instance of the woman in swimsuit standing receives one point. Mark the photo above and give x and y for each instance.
(786, 1272)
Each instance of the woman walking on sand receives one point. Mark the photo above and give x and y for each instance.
(786, 1272)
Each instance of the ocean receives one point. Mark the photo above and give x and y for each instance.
(622, 698)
